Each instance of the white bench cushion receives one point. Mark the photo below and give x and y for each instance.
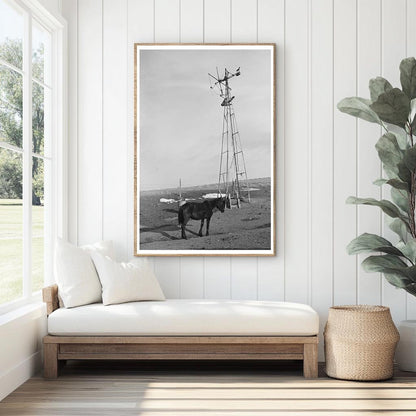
(187, 317)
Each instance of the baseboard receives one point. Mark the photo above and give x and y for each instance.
(11, 379)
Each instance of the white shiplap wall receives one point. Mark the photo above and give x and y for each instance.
(326, 50)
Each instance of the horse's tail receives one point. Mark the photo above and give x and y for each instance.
(181, 218)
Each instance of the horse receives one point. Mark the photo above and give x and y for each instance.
(199, 211)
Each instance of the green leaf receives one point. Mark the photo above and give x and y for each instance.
(395, 183)
(404, 173)
(359, 107)
(401, 137)
(408, 77)
(400, 228)
(412, 109)
(389, 151)
(397, 280)
(380, 182)
(408, 249)
(394, 269)
(378, 86)
(392, 107)
(410, 158)
(388, 207)
(400, 198)
(411, 289)
(410, 272)
(398, 184)
(366, 243)
(381, 263)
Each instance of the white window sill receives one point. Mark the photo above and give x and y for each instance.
(34, 306)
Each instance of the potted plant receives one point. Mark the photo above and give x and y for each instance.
(394, 109)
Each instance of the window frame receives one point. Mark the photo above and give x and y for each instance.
(58, 215)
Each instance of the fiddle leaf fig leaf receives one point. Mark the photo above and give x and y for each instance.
(414, 126)
(404, 173)
(359, 107)
(380, 182)
(400, 198)
(395, 183)
(411, 289)
(392, 107)
(412, 109)
(366, 243)
(381, 263)
(388, 207)
(378, 86)
(408, 249)
(389, 151)
(397, 280)
(398, 184)
(402, 139)
(410, 158)
(395, 270)
(408, 77)
(400, 228)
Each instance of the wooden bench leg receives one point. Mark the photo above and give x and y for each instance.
(310, 360)
(50, 360)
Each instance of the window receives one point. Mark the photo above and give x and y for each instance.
(30, 148)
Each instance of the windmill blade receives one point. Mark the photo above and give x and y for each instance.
(212, 76)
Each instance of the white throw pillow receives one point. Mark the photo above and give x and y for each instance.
(126, 282)
(104, 247)
(75, 273)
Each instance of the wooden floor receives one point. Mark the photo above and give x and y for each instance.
(223, 389)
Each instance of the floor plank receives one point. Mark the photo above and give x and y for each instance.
(226, 389)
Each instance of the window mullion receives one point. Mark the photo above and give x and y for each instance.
(27, 157)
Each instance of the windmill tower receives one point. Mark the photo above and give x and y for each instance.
(232, 177)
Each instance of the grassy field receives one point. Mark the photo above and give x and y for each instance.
(247, 228)
(11, 249)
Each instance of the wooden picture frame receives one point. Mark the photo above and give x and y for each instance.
(204, 143)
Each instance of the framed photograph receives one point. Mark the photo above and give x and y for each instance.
(204, 126)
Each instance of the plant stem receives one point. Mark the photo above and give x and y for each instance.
(412, 196)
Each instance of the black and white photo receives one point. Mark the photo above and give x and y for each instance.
(205, 149)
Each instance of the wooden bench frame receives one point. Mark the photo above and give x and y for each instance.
(58, 349)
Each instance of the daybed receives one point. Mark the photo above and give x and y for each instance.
(181, 329)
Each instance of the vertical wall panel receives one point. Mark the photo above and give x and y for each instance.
(168, 272)
(217, 23)
(114, 124)
(90, 183)
(296, 152)
(243, 29)
(167, 29)
(411, 51)
(70, 11)
(321, 152)
(167, 16)
(345, 152)
(271, 28)
(192, 21)
(244, 21)
(140, 22)
(244, 278)
(393, 51)
(369, 167)
(191, 31)
(217, 26)
(217, 278)
(192, 278)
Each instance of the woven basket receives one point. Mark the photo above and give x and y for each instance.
(360, 342)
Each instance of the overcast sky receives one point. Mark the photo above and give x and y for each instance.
(180, 121)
